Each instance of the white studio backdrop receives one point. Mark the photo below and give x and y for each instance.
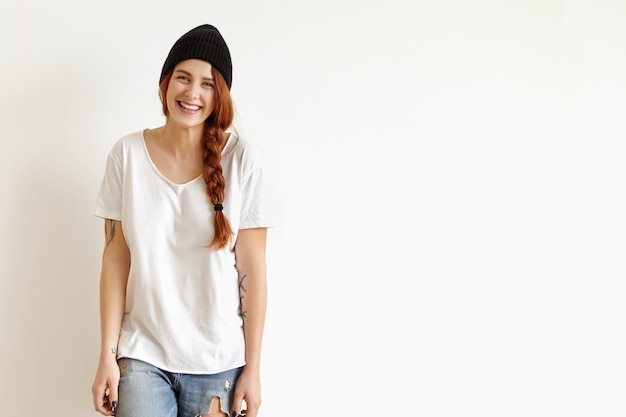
(449, 178)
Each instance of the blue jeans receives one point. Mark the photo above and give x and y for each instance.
(147, 391)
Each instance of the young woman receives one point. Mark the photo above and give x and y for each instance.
(183, 285)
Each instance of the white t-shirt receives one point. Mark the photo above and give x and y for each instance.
(182, 299)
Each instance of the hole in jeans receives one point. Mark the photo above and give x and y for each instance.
(215, 410)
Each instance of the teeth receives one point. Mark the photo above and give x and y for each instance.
(189, 106)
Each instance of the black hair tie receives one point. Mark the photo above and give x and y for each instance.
(218, 207)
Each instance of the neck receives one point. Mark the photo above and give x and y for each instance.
(182, 141)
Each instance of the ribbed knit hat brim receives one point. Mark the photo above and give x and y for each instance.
(203, 42)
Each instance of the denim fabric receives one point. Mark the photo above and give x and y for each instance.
(147, 391)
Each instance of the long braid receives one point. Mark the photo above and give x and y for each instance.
(214, 139)
(215, 183)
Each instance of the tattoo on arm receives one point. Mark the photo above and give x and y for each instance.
(113, 351)
(242, 312)
(241, 287)
(109, 232)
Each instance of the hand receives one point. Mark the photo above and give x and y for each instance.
(248, 389)
(104, 388)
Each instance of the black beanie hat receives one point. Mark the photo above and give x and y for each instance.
(203, 42)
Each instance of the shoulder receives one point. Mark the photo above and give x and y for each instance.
(242, 151)
(131, 140)
(127, 142)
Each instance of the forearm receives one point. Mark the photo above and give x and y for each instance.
(112, 303)
(250, 254)
(253, 294)
(113, 280)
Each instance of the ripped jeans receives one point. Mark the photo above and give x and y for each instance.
(147, 391)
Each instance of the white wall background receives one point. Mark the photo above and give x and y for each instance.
(450, 181)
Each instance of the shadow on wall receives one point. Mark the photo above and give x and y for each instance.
(48, 303)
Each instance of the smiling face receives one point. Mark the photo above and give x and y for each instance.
(191, 93)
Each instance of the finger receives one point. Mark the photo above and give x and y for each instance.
(251, 411)
(113, 397)
(100, 398)
(237, 403)
(104, 407)
(101, 405)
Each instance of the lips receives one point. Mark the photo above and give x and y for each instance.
(188, 106)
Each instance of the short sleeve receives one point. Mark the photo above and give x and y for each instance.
(109, 199)
(256, 207)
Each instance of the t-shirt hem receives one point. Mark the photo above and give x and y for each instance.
(183, 370)
(107, 214)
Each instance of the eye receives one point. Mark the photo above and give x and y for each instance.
(209, 84)
(182, 78)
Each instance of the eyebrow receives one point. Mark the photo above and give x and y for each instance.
(188, 73)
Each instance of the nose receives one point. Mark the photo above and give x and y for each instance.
(192, 91)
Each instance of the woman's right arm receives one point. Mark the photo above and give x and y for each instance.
(113, 279)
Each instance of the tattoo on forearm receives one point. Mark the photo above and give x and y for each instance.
(243, 313)
(109, 232)
(113, 351)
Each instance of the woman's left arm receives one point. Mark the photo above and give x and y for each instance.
(251, 268)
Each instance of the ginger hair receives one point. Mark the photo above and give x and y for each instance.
(214, 138)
